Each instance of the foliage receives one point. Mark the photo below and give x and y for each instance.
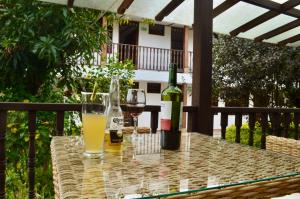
(244, 136)
(245, 132)
(265, 72)
(17, 141)
(17, 126)
(102, 75)
(38, 40)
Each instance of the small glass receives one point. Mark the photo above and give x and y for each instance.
(94, 118)
(135, 103)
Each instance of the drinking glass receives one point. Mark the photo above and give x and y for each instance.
(135, 103)
(94, 122)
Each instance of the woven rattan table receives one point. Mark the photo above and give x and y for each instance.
(204, 167)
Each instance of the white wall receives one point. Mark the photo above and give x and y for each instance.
(155, 41)
(151, 99)
(151, 55)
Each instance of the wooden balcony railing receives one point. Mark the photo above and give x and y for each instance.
(146, 58)
(278, 118)
(60, 109)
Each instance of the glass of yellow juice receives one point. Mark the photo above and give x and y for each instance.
(94, 106)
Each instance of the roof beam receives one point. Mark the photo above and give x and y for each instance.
(223, 7)
(267, 4)
(271, 5)
(279, 30)
(265, 17)
(70, 3)
(124, 6)
(168, 9)
(290, 40)
(254, 22)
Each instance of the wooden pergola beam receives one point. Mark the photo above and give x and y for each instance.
(265, 17)
(251, 24)
(223, 7)
(273, 6)
(70, 3)
(124, 6)
(279, 30)
(168, 9)
(289, 40)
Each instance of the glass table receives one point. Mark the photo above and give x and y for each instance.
(204, 166)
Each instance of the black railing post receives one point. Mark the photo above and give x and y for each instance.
(60, 123)
(3, 118)
(251, 128)
(224, 123)
(276, 124)
(238, 125)
(286, 123)
(154, 121)
(296, 124)
(264, 126)
(31, 159)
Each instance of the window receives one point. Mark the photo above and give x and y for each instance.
(153, 87)
(157, 29)
(135, 85)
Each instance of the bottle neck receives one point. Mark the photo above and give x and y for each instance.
(172, 75)
(114, 92)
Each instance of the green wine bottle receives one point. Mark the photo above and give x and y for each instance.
(171, 112)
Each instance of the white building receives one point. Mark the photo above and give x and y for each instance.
(152, 48)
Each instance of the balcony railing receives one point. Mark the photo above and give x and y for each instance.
(146, 58)
(279, 119)
(273, 121)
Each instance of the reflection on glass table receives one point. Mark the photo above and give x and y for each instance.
(201, 164)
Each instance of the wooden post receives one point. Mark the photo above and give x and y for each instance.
(202, 66)
(185, 98)
(104, 46)
(185, 69)
(186, 49)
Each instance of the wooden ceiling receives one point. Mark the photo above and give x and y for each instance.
(275, 9)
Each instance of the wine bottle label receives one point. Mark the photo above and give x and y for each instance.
(115, 129)
(166, 114)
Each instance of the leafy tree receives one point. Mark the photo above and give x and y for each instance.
(264, 71)
(39, 40)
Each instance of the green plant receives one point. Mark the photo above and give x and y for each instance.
(265, 73)
(244, 136)
(40, 40)
(85, 80)
(245, 132)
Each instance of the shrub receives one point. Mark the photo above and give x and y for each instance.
(245, 132)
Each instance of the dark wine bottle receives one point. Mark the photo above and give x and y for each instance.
(171, 112)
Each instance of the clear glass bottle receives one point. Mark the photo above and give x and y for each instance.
(115, 119)
(171, 112)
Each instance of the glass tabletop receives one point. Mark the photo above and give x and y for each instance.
(144, 170)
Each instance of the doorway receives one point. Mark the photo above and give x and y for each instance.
(177, 35)
(128, 39)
